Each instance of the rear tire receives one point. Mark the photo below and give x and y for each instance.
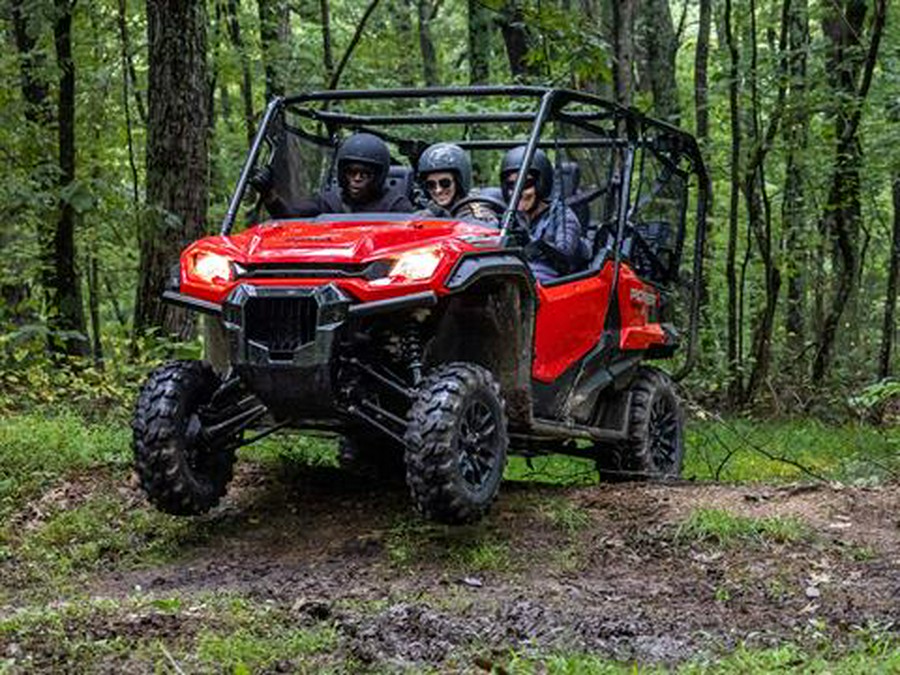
(654, 448)
(456, 443)
(180, 472)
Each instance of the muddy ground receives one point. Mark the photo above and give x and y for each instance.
(600, 569)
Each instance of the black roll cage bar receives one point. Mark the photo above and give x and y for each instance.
(630, 124)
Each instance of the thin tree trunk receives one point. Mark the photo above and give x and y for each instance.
(889, 327)
(479, 43)
(64, 292)
(701, 82)
(796, 134)
(94, 309)
(661, 46)
(327, 52)
(514, 30)
(401, 20)
(275, 36)
(177, 158)
(735, 384)
(234, 33)
(348, 52)
(842, 217)
(427, 10)
(129, 73)
(623, 48)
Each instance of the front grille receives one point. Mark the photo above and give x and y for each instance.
(281, 324)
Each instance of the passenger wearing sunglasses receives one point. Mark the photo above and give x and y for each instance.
(362, 163)
(445, 172)
(554, 246)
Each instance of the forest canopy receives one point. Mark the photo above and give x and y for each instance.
(123, 127)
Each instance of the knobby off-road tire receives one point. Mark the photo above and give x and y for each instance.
(456, 443)
(375, 458)
(178, 470)
(654, 448)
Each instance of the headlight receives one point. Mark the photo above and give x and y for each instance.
(418, 264)
(211, 267)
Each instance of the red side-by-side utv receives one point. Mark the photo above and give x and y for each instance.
(425, 343)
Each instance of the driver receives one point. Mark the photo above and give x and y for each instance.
(554, 246)
(362, 162)
(445, 171)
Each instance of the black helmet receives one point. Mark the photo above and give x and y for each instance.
(365, 149)
(448, 157)
(540, 168)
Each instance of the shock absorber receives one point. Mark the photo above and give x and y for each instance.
(412, 350)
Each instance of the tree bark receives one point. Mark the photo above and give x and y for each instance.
(177, 156)
(841, 221)
(401, 19)
(661, 47)
(701, 80)
(64, 303)
(234, 33)
(427, 10)
(327, 51)
(479, 43)
(623, 47)
(275, 36)
(514, 30)
(889, 327)
(735, 383)
(794, 212)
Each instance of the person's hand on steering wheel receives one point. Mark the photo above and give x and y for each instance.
(481, 207)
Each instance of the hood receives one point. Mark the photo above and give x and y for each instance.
(347, 239)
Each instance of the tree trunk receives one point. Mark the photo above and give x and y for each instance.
(234, 33)
(275, 36)
(661, 47)
(427, 10)
(327, 51)
(176, 155)
(889, 327)
(701, 81)
(64, 305)
(479, 43)
(401, 19)
(623, 48)
(516, 39)
(841, 221)
(735, 384)
(794, 212)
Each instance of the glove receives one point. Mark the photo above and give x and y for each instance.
(261, 180)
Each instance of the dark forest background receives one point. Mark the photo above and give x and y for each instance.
(123, 125)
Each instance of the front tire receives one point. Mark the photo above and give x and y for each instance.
(456, 443)
(654, 448)
(179, 470)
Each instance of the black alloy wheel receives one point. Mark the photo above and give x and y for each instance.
(654, 448)
(456, 443)
(182, 472)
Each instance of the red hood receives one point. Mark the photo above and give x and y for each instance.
(344, 240)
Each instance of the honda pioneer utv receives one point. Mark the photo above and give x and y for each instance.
(425, 343)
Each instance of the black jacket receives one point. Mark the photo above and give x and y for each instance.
(329, 201)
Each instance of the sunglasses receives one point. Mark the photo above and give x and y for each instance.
(443, 184)
(511, 183)
(359, 172)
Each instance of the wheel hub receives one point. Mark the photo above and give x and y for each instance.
(477, 438)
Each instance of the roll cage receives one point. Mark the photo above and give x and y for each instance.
(605, 124)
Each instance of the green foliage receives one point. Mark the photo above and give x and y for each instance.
(250, 650)
(473, 548)
(722, 528)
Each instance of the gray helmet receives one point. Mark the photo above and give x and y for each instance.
(540, 168)
(365, 149)
(448, 157)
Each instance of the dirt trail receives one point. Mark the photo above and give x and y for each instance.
(597, 569)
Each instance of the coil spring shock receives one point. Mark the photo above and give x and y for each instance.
(412, 350)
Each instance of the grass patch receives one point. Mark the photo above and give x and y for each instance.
(37, 449)
(206, 633)
(871, 655)
(736, 450)
(474, 548)
(722, 528)
(565, 515)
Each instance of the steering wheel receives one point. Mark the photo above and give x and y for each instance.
(495, 205)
